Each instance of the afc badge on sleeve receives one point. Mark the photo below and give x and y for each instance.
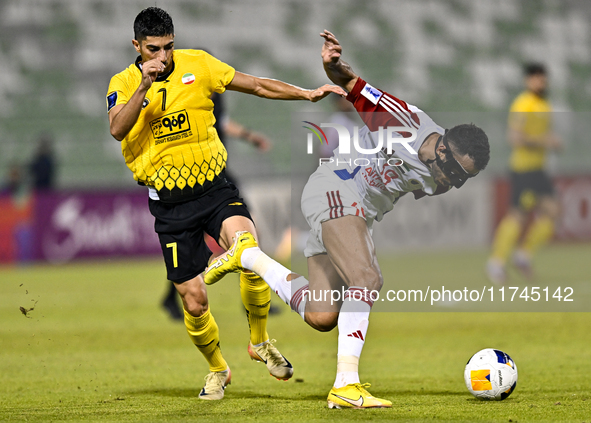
(371, 93)
(111, 101)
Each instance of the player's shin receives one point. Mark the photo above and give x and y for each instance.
(352, 324)
(293, 292)
(539, 234)
(506, 238)
(256, 298)
(204, 332)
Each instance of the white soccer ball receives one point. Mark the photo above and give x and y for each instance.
(490, 374)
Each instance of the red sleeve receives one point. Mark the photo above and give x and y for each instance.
(378, 108)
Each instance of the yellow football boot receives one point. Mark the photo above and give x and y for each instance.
(229, 262)
(355, 395)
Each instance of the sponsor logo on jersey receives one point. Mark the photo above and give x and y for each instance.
(145, 103)
(171, 127)
(111, 101)
(371, 93)
(188, 78)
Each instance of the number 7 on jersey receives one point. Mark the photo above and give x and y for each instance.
(163, 91)
(175, 260)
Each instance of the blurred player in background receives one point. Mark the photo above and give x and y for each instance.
(341, 201)
(160, 107)
(531, 137)
(43, 165)
(225, 127)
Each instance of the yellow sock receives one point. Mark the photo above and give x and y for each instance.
(256, 297)
(539, 233)
(506, 237)
(204, 333)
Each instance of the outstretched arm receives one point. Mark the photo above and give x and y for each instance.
(517, 136)
(278, 90)
(337, 70)
(549, 141)
(234, 129)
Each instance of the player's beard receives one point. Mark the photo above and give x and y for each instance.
(439, 176)
(542, 92)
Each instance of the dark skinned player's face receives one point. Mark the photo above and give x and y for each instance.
(160, 48)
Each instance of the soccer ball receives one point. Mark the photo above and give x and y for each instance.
(490, 374)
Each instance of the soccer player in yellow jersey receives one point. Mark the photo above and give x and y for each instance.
(160, 109)
(531, 137)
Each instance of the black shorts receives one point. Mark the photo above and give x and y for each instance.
(181, 228)
(527, 187)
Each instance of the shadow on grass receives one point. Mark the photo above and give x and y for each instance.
(231, 393)
(237, 393)
(421, 392)
(166, 392)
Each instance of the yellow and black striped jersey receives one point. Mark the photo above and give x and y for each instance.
(531, 115)
(173, 147)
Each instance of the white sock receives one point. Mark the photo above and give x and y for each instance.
(347, 371)
(300, 296)
(276, 277)
(353, 322)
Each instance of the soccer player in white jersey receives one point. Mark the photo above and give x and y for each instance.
(342, 200)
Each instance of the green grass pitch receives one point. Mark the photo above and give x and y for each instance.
(97, 347)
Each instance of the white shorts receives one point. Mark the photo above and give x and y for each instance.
(325, 197)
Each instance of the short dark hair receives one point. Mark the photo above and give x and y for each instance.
(530, 69)
(152, 22)
(471, 140)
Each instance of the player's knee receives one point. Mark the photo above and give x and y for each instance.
(194, 298)
(322, 322)
(195, 308)
(372, 279)
(517, 214)
(550, 208)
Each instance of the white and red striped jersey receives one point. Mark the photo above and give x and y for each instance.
(381, 179)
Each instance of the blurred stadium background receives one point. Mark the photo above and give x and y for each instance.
(95, 344)
(459, 60)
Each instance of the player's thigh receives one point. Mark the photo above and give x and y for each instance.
(547, 202)
(549, 206)
(229, 216)
(180, 232)
(528, 189)
(518, 214)
(185, 254)
(351, 249)
(233, 224)
(523, 194)
(326, 289)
